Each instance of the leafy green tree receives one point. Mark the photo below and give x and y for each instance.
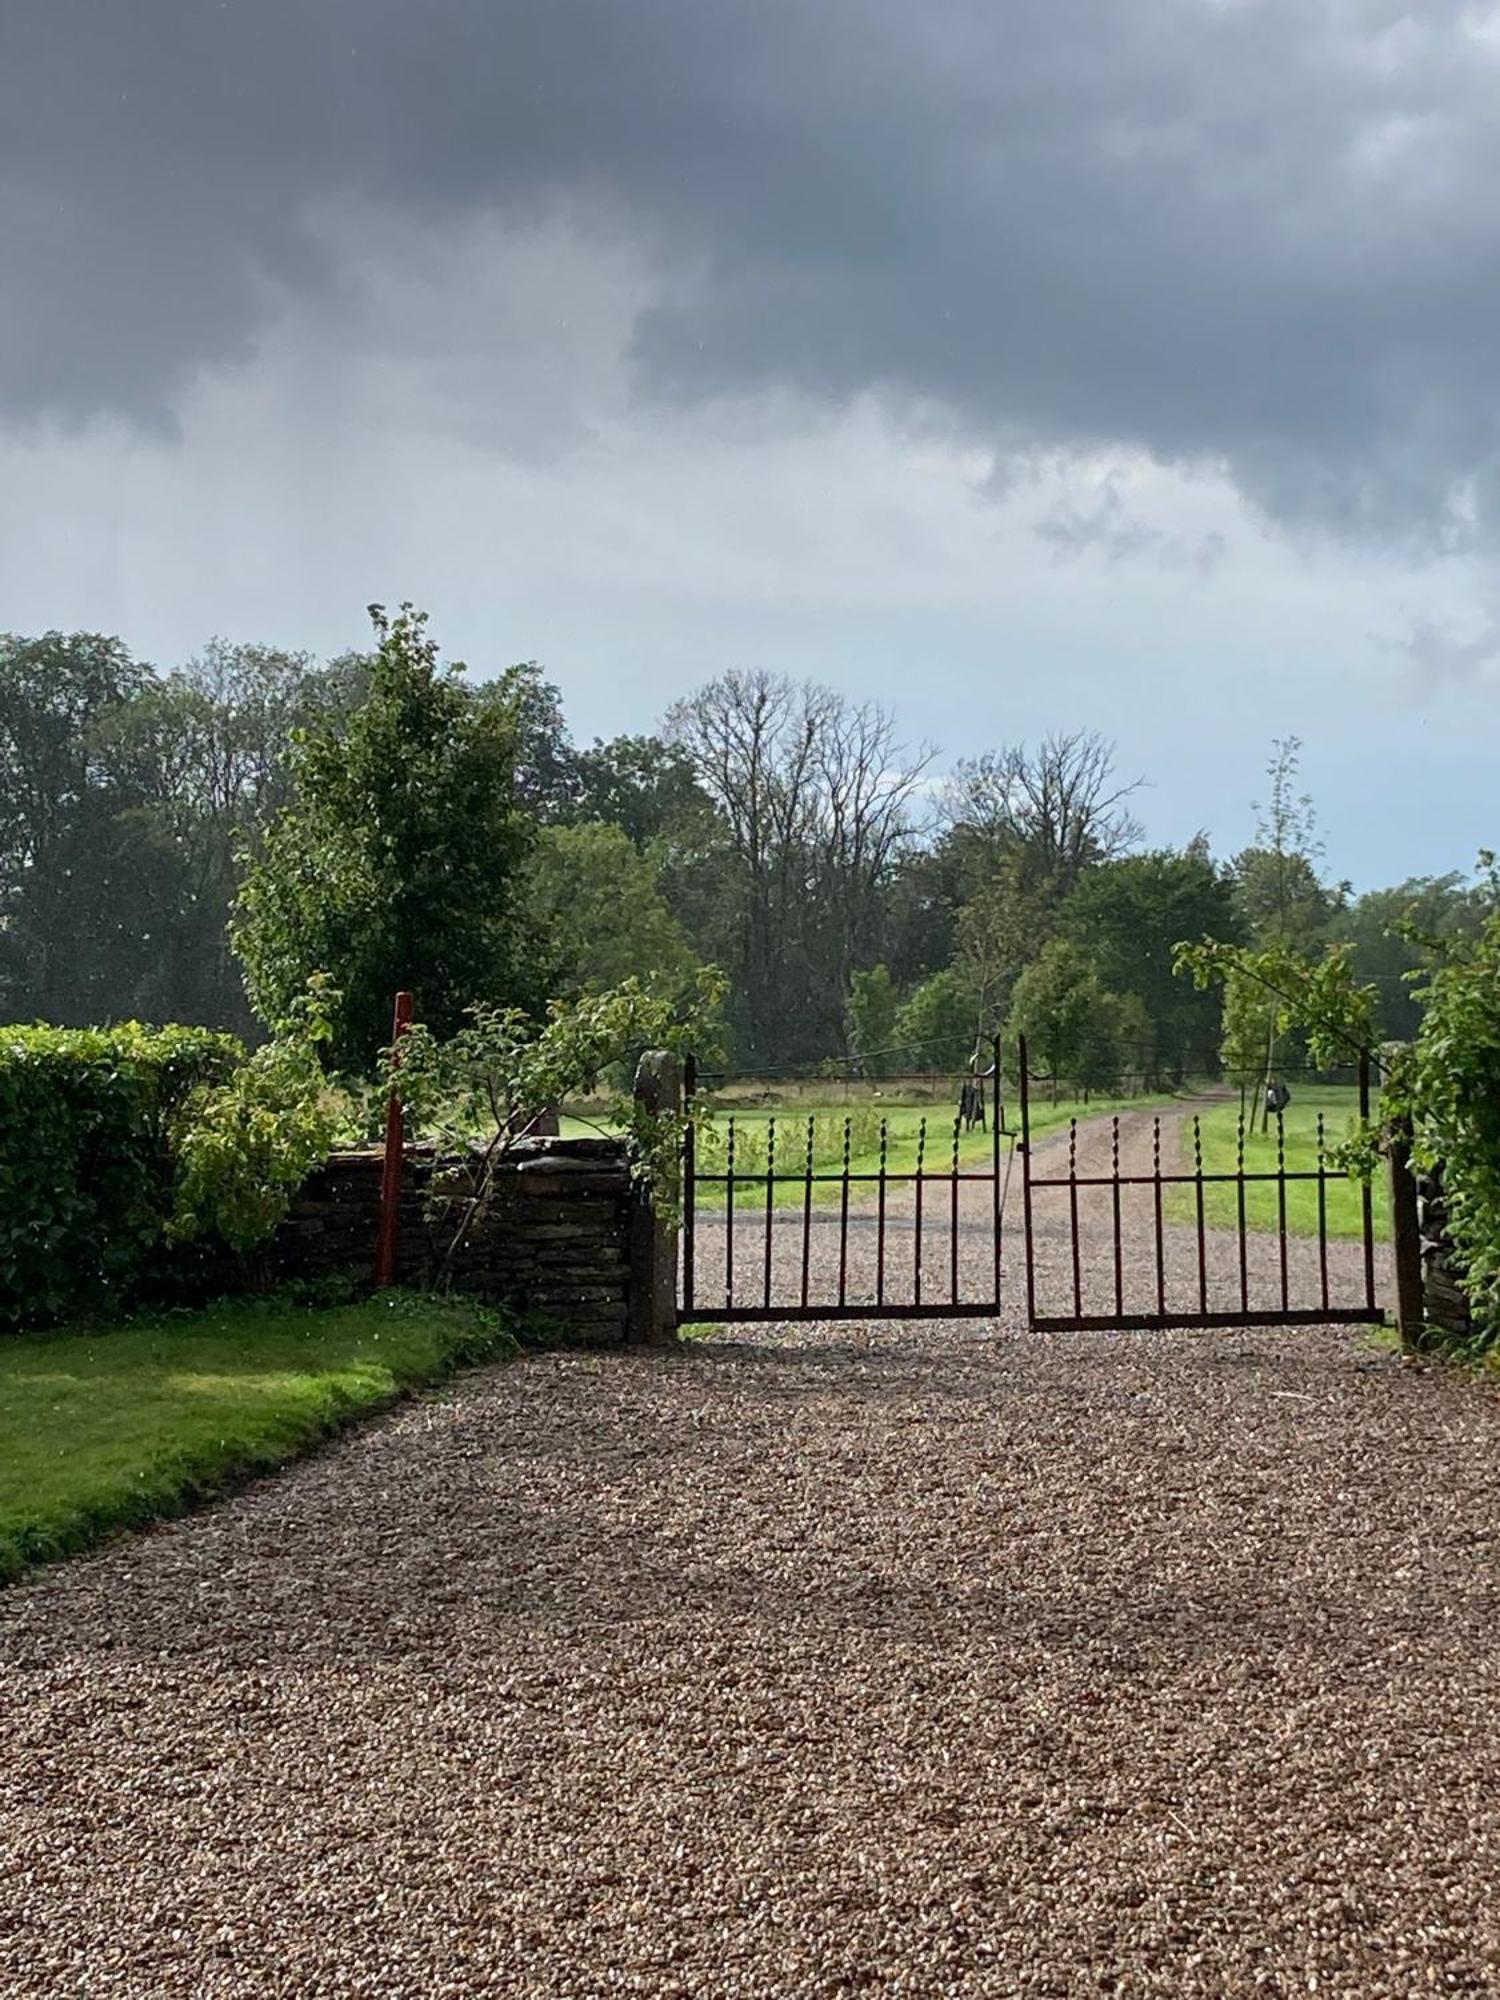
(1281, 889)
(873, 1006)
(599, 899)
(1072, 1025)
(501, 1069)
(399, 860)
(547, 777)
(63, 931)
(935, 1025)
(1271, 991)
(647, 788)
(1128, 917)
(1287, 906)
(1104, 1052)
(195, 763)
(921, 915)
(1002, 927)
(1384, 927)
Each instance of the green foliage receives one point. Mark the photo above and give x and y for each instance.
(121, 1147)
(935, 1026)
(1386, 928)
(921, 914)
(88, 1119)
(1281, 891)
(1253, 1022)
(1073, 1027)
(598, 898)
(247, 1143)
(488, 1083)
(397, 864)
(60, 858)
(1272, 990)
(1127, 917)
(873, 1007)
(647, 789)
(1006, 922)
(1446, 1086)
(123, 796)
(101, 1431)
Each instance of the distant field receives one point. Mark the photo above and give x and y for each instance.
(1338, 1105)
(903, 1125)
(903, 1121)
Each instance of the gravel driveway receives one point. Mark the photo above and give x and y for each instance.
(906, 1660)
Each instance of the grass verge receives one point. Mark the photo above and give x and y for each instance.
(1338, 1105)
(104, 1428)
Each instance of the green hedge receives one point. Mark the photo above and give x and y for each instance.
(86, 1166)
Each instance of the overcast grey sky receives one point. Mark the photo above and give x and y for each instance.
(1128, 364)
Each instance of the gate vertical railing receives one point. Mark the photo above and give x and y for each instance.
(1367, 1205)
(1023, 1085)
(861, 1273)
(689, 1171)
(1192, 1242)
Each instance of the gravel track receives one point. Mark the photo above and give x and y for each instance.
(880, 1659)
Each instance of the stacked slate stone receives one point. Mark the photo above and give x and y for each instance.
(554, 1240)
(330, 1231)
(552, 1244)
(1444, 1303)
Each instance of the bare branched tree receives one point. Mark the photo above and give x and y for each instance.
(1057, 808)
(816, 795)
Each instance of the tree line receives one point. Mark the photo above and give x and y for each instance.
(189, 845)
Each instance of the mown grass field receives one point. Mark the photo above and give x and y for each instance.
(1338, 1105)
(107, 1427)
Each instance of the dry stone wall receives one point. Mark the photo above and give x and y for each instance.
(560, 1240)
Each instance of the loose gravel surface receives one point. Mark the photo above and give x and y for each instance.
(874, 1659)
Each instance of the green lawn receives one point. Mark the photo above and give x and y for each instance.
(1338, 1106)
(903, 1123)
(106, 1427)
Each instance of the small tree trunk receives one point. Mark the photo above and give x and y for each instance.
(1265, 1087)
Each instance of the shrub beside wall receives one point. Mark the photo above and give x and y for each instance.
(87, 1168)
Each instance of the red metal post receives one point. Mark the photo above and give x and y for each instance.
(395, 1142)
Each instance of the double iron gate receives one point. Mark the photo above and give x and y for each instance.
(792, 1216)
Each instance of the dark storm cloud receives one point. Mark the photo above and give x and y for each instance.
(1258, 234)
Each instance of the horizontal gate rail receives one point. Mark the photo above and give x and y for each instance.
(934, 1175)
(900, 1309)
(1162, 1322)
(1177, 1180)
